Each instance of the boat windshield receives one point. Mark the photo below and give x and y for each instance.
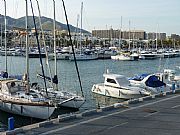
(111, 80)
(122, 81)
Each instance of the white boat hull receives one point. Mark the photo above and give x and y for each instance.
(121, 57)
(116, 92)
(74, 103)
(41, 112)
(150, 89)
(82, 57)
(60, 56)
(64, 99)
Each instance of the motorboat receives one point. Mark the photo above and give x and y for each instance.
(150, 82)
(83, 56)
(169, 77)
(118, 86)
(148, 55)
(59, 56)
(121, 57)
(126, 57)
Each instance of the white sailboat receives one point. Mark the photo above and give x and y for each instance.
(59, 97)
(18, 98)
(82, 55)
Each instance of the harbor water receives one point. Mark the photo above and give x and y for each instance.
(91, 72)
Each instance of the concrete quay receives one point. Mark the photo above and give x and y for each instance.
(157, 114)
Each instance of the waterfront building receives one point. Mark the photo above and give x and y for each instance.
(115, 34)
(152, 36)
(175, 37)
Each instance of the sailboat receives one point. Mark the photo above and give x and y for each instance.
(60, 98)
(18, 97)
(83, 55)
(125, 56)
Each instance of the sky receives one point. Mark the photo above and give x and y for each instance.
(148, 15)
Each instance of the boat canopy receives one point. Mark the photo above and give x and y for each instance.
(139, 77)
(153, 81)
(4, 74)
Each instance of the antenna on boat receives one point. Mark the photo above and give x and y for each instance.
(73, 48)
(39, 49)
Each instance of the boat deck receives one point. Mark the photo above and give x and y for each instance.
(158, 114)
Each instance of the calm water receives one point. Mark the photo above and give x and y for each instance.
(90, 71)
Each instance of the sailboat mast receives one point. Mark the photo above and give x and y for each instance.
(27, 49)
(5, 32)
(1, 35)
(120, 34)
(129, 37)
(55, 56)
(73, 49)
(81, 26)
(157, 38)
(43, 37)
(77, 31)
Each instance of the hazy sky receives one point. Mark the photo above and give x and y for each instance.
(148, 15)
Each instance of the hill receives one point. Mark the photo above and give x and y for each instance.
(47, 23)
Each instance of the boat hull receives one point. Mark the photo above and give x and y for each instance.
(115, 92)
(35, 111)
(82, 57)
(75, 103)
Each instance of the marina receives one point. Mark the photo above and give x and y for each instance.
(58, 78)
(88, 73)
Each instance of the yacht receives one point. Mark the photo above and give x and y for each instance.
(84, 56)
(126, 57)
(150, 82)
(118, 86)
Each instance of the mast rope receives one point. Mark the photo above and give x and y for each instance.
(72, 48)
(39, 49)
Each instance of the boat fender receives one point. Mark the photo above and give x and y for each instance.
(55, 79)
(21, 109)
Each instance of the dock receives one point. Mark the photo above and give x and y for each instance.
(157, 114)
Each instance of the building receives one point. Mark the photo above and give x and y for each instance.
(174, 36)
(153, 35)
(133, 34)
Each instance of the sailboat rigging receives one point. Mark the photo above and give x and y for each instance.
(39, 49)
(46, 53)
(61, 98)
(72, 48)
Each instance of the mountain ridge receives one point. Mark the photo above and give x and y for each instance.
(47, 23)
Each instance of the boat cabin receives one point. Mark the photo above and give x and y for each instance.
(10, 86)
(115, 80)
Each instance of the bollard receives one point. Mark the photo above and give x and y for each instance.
(11, 123)
(173, 87)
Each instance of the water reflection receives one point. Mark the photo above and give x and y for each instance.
(102, 101)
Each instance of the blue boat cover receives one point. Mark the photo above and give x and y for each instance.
(153, 81)
(139, 77)
(5, 75)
